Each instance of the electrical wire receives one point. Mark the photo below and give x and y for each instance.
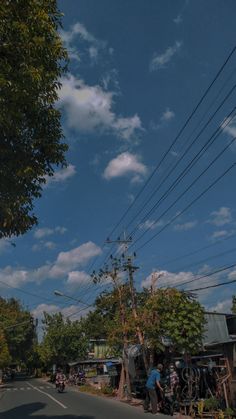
(214, 286)
(176, 138)
(166, 176)
(186, 170)
(188, 206)
(218, 270)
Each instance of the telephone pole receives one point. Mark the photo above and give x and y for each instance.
(113, 274)
(130, 268)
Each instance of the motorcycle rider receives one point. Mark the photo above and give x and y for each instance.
(60, 377)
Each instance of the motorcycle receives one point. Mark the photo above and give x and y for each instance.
(168, 404)
(61, 386)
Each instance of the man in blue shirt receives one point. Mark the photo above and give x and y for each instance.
(152, 384)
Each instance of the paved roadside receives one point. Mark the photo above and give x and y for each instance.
(35, 399)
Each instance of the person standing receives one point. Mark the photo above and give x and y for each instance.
(152, 385)
(174, 380)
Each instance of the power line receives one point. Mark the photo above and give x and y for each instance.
(218, 270)
(189, 205)
(27, 292)
(214, 286)
(168, 261)
(166, 176)
(175, 139)
(199, 262)
(186, 170)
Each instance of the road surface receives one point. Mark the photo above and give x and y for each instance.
(33, 398)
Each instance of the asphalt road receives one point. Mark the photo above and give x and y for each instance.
(33, 398)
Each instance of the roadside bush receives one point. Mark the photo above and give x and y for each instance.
(107, 390)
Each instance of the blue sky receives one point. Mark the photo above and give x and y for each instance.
(137, 70)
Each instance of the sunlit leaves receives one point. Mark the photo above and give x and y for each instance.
(32, 63)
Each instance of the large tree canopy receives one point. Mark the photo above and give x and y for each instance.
(32, 62)
(165, 313)
(63, 340)
(18, 330)
(174, 314)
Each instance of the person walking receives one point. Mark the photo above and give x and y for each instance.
(152, 385)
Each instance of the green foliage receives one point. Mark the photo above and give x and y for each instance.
(18, 329)
(174, 314)
(166, 313)
(107, 390)
(105, 321)
(63, 340)
(211, 404)
(31, 65)
(4, 352)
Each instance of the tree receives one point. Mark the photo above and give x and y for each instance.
(176, 315)
(4, 352)
(32, 63)
(233, 308)
(106, 320)
(63, 340)
(18, 327)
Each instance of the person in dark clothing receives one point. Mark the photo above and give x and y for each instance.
(152, 385)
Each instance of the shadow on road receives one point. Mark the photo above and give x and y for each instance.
(27, 411)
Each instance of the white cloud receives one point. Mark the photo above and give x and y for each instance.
(185, 226)
(160, 61)
(79, 30)
(93, 53)
(172, 279)
(41, 308)
(46, 231)
(61, 175)
(167, 115)
(79, 256)
(61, 267)
(165, 118)
(43, 232)
(60, 229)
(89, 109)
(232, 275)
(125, 164)
(151, 225)
(221, 217)
(50, 245)
(220, 233)
(73, 311)
(222, 306)
(168, 278)
(230, 128)
(13, 277)
(77, 278)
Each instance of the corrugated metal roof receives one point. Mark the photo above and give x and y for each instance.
(216, 330)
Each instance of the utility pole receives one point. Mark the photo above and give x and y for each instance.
(113, 274)
(130, 268)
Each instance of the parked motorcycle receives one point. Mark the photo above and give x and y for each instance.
(168, 404)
